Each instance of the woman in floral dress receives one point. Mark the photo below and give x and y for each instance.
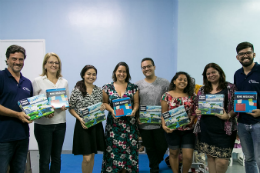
(181, 92)
(121, 134)
(217, 133)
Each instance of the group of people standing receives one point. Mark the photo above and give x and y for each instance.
(212, 135)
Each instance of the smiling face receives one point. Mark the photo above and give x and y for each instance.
(212, 75)
(52, 65)
(90, 76)
(246, 56)
(121, 73)
(15, 62)
(148, 68)
(181, 82)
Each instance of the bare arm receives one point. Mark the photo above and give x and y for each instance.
(136, 103)
(164, 106)
(10, 113)
(74, 113)
(107, 105)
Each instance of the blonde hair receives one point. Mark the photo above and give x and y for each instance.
(45, 59)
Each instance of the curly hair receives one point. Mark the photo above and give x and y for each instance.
(189, 89)
(81, 84)
(222, 79)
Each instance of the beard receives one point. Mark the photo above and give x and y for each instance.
(246, 64)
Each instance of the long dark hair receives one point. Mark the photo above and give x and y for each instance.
(128, 77)
(189, 89)
(222, 78)
(81, 84)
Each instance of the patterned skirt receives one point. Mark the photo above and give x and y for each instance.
(213, 140)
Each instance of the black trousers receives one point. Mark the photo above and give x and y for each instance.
(156, 146)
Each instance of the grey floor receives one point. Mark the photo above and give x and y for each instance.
(235, 168)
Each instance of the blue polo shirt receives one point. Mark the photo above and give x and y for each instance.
(249, 82)
(12, 129)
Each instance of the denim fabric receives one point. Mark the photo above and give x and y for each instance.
(14, 154)
(50, 139)
(250, 141)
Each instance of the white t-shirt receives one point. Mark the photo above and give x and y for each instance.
(40, 85)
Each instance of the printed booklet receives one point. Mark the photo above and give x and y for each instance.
(211, 104)
(150, 114)
(122, 107)
(36, 106)
(176, 117)
(92, 115)
(57, 97)
(245, 101)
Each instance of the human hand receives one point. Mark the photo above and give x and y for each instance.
(114, 116)
(82, 122)
(63, 108)
(255, 113)
(50, 115)
(197, 111)
(167, 129)
(223, 116)
(192, 118)
(139, 122)
(23, 117)
(132, 114)
(102, 107)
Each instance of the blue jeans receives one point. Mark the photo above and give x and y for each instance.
(14, 154)
(249, 135)
(50, 139)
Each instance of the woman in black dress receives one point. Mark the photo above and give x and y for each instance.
(86, 141)
(217, 133)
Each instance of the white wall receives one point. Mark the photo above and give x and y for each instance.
(209, 31)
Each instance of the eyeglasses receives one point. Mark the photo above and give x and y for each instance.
(245, 53)
(148, 66)
(54, 62)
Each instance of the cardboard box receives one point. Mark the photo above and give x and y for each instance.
(92, 115)
(36, 106)
(211, 104)
(176, 117)
(150, 114)
(57, 97)
(245, 101)
(122, 107)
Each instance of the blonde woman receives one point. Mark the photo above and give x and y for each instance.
(50, 131)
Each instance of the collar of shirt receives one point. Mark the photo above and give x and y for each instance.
(10, 75)
(253, 69)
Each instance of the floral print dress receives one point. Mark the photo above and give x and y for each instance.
(121, 136)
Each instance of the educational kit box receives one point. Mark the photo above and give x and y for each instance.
(176, 117)
(122, 107)
(92, 115)
(245, 101)
(150, 114)
(36, 106)
(57, 97)
(211, 104)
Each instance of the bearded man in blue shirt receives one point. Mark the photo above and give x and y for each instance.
(14, 136)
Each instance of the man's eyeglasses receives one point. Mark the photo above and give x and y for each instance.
(53, 62)
(245, 53)
(148, 66)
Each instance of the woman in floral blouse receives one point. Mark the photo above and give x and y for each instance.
(181, 92)
(86, 141)
(121, 134)
(217, 133)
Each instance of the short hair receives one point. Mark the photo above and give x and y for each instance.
(222, 78)
(128, 77)
(244, 45)
(13, 49)
(148, 59)
(45, 59)
(81, 84)
(189, 89)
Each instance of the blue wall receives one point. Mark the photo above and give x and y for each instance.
(100, 32)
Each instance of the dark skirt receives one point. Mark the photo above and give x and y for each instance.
(213, 139)
(88, 141)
